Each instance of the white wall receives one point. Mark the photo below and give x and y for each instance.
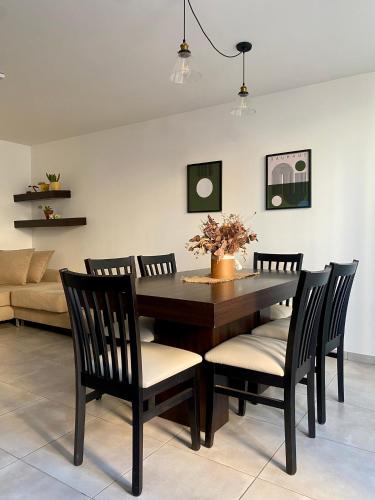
(130, 182)
(15, 164)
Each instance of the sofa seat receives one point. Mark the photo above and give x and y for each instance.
(6, 290)
(42, 297)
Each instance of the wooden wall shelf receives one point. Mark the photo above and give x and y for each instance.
(42, 195)
(72, 221)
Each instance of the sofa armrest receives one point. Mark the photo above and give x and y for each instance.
(51, 276)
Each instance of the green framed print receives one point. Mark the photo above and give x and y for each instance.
(288, 180)
(204, 187)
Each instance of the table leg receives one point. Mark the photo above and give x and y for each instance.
(200, 340)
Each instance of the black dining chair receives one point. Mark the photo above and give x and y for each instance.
(279, 262)
(120, 266)
(273, 362)
(332, 331)
(133, 371)
(154, 265)
(110, 267)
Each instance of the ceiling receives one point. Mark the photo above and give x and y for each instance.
(78, 66)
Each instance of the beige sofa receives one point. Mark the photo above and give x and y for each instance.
(42, 302)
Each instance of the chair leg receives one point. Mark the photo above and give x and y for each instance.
(209, 437)
(290, 430)
(311, 402)
(242, 402)
(137, 473)
(340, 370)
(194, 415)
(321, 387)
(79, 432)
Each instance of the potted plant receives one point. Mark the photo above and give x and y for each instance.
(43, 186)
(222, 241)
(54, 183)
(47, 210)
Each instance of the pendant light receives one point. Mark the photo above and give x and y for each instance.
(183, 72)
(243, 104)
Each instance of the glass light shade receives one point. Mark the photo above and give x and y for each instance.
(243, 106)
(183, 72)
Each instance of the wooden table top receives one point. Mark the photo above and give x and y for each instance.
(168, 297)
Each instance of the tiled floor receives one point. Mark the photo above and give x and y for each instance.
(247, 460)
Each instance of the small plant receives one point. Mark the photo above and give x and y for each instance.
(48, 211)
(53, 177)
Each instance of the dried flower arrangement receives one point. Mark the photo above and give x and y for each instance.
(227, 238)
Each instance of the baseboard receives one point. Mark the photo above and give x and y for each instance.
(361, 358)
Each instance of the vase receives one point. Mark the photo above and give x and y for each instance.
(43, 186)
(48, 214)
(54, 186)
(223, 268)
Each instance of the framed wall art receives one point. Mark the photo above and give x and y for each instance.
(288, 180)
(204, 187)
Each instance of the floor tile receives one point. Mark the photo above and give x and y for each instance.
(263, 490)
(26, 429)
(171, 474)
(347, 424)
(107, 455)
(56, 382)
(269, 414)
(119, 412)
(16, 364)
(19, 481)
(6, 459)
(12, 398)
(358, 384)
(325, 470)
(243, 443)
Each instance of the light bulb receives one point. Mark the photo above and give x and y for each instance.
(183, 72)
(243, 104)
(2, 75)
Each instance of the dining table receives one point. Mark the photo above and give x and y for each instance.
(199, 316)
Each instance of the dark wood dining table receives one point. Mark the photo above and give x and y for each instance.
(197, 316)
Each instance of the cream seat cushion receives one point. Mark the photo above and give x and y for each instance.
(277, 311)
(278, 329)
(260, 354)
(146, 329)
(160, 362)
(42, 296)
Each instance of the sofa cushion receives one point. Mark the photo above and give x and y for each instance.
(38, 265)
(14, 266)
(6, 313)
(43, 296)
(5, 291)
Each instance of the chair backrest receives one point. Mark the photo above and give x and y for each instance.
(153, 265)
(304, 322)
(336, 301)
(94, 303)
(278, 261)
(102, 267)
